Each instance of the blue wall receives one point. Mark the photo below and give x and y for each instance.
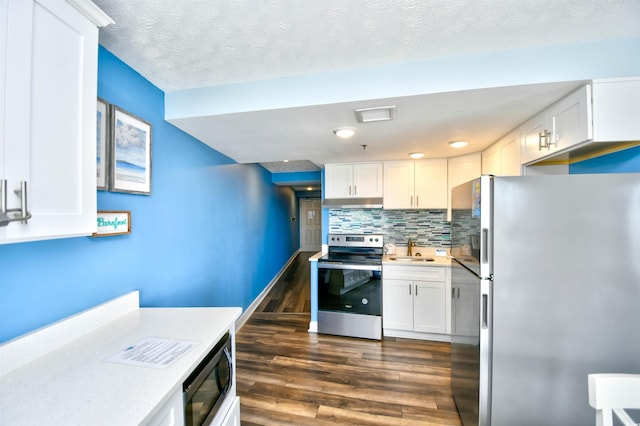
(213, 233)
(624, 161)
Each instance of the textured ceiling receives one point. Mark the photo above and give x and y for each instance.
(191, 44)
(195, 43)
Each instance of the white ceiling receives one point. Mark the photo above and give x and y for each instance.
(194, 44)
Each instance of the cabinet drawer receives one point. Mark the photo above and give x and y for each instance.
(418, 273)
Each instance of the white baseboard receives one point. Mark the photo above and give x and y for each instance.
(313, 326)
(254, 305)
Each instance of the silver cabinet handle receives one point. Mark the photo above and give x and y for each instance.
(412, 201)
(417, 200)
(546, 136)
(24, 215)
(24, 211)
(409, 289)
(416, 289)
(541, 136)
(355, 190)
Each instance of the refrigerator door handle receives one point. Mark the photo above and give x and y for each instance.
(485, 245)
(484, 321)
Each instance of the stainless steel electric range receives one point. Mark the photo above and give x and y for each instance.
(350, 286)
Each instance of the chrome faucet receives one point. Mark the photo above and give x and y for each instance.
(410, 244)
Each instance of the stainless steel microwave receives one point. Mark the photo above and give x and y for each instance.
(208, 385)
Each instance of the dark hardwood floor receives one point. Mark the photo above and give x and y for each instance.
(287, 376)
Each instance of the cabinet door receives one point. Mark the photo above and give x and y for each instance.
(570, 119)
(530, 136)
(338, 179)
(468, 311)
(463, 169)
(50, 119)
(431, 184)
(367, 180)
(615, 109)
(510, 156)
(397, 304)
(233, 415)
(460, 170)
(398, 184)
(491, 164)
(429, 307)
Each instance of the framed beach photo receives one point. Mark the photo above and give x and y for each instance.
(102, 145)
(130, 166)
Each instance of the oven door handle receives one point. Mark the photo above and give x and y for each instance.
(337, 265)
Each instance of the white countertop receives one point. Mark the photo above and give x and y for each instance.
(73, 385)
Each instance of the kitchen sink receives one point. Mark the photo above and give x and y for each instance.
(411, 259)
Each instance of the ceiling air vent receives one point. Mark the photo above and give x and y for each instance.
(368, 115)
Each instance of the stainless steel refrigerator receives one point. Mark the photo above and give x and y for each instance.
(546, 289)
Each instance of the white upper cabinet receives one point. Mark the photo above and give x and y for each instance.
(491, 161)
(399, 184)
(353, 180)
(503, 157)
(510, 155)
(532, 133)
(615, 109)
(48, 134)
(418, 184)
(604, 111)
(561, 126)
(460, 170)
(431, 184)
(570, 120)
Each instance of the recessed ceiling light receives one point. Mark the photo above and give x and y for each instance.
(344, 132)
(368, 115)
(309, 188)
(416, 154)
(458, 144)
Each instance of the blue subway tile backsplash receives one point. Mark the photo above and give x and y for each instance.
(428, 228)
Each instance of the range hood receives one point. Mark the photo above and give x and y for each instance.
(354, 203)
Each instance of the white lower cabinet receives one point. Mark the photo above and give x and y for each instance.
(233, 415)
(414, 301)
(171, 413)
(465, 304)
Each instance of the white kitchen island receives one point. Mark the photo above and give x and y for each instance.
(59, 375)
